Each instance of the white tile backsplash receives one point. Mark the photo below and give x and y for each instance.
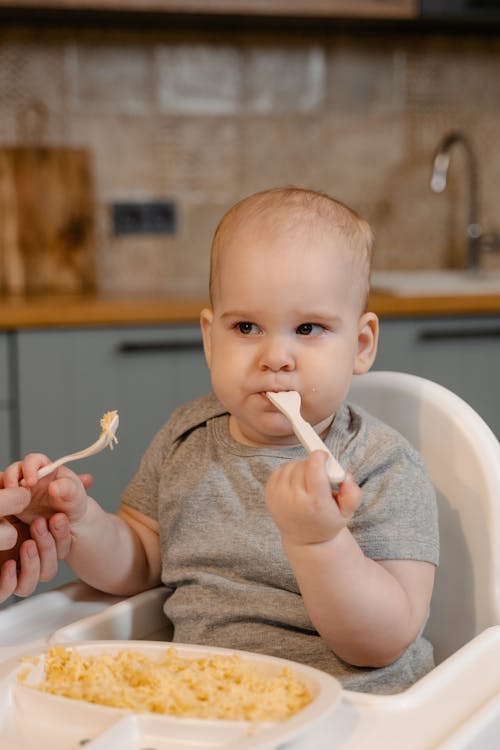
(113, 78)
(284, 80)
(198, 79)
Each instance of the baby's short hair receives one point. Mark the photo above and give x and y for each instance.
(288, 207)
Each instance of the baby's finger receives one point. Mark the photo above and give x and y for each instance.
(348, 496)
(65, 488)
(31, 465)
(29, 572)
(86, 480)
(316, 477)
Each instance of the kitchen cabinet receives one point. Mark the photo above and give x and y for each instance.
(461, 353)
(311, 8)
(69, 378)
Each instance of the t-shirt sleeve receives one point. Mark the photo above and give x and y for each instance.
(142, 491)
(398, 517)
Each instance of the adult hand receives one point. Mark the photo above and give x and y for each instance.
(29, 552)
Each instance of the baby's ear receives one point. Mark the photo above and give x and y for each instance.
(367, 343)
(206, 320)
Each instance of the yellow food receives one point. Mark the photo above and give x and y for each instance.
(210, 687)
(106, 426)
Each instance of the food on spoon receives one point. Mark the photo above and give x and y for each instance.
(109, 425)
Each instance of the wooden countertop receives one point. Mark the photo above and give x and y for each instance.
(56, 311)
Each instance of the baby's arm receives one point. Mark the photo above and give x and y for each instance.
(118, 553)
(368, 611)
(115, 553)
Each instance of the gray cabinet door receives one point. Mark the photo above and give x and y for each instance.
(462, 354)
(69, 378)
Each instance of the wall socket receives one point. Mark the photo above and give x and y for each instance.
(144, 217)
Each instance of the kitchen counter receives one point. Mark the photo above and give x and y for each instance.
(54, 311)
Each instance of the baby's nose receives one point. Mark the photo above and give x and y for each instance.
(276, 354)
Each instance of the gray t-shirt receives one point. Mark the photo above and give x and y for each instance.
(229, 580)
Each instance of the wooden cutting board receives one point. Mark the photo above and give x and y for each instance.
(47, 227)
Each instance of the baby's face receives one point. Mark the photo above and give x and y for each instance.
(286, 316)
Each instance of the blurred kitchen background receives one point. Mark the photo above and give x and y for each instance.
(126, 134)
(196, 112)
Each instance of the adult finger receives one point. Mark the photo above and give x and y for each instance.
(8, 535)
(60, 529)
(46, 546)
(29, 571)
(13, 500)
(8, 579)
(12, 474)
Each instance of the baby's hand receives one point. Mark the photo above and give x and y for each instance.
(63, 491)
(301, 501)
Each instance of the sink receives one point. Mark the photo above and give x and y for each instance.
(438, 283)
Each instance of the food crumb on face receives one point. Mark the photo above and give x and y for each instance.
(210, 687)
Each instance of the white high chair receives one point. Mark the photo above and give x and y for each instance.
(456, 706)
(462, 456)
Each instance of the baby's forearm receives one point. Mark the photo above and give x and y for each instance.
(361, 610)
(107, 554)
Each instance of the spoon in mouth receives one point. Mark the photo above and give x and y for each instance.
(288, 403)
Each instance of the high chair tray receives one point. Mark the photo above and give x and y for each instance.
(454, 707)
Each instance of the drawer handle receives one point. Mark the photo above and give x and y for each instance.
(154, 347)
(442, 334)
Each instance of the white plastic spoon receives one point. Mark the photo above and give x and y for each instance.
(109, 425)
(288, 403)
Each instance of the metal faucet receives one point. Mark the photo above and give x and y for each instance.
(476, 241)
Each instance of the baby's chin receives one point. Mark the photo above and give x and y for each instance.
(275, 430)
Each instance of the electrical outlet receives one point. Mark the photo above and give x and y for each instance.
(144, 217)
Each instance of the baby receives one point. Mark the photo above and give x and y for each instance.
(255, 550)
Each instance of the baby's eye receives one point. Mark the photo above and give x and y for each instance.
(308, 329)
(246, 328)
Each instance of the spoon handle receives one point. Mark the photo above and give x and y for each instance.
(99, 445)
(312, 442)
